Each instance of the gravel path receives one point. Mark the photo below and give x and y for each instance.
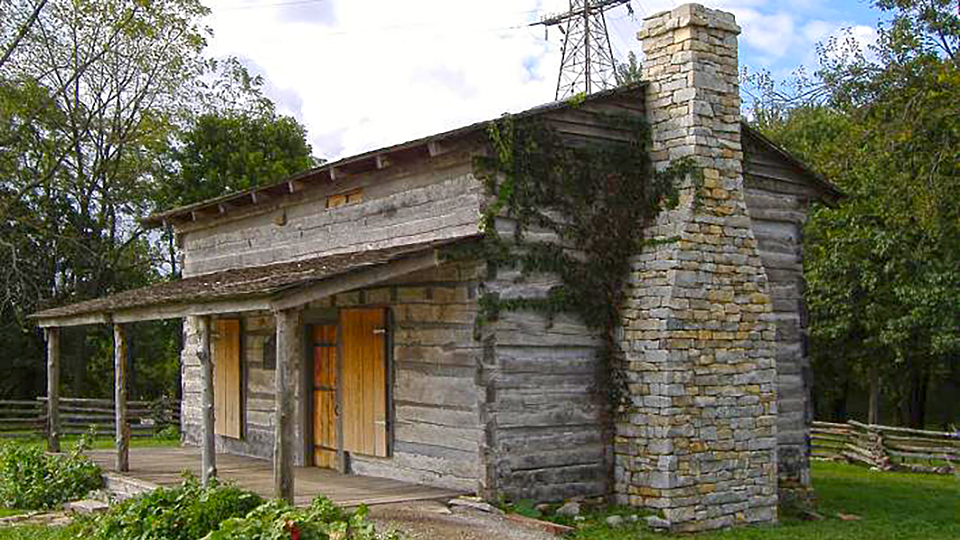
(430, 520)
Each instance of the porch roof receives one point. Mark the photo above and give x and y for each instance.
(270, 287)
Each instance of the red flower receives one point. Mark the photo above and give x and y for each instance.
(294, 531)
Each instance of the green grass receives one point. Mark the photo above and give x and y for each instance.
(103, 442)
(893, 506)
(37, 533)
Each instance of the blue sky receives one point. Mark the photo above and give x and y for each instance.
(362, 74)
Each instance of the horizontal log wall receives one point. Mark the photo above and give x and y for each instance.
(778, 198)
(257, 394)
(436, 431)
(546, 435)
(435, 199)
(543, 413)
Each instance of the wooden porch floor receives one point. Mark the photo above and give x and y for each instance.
(163, 466)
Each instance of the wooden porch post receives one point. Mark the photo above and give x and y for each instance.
(53, 389)
(209, 445)
(288, 347)
(120, 397)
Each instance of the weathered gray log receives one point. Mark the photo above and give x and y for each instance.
(53, 389)
(288, 347)
(120, 397)
(209, 444)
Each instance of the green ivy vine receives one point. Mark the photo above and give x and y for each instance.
(596, 199)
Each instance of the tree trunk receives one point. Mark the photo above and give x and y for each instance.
(840, 404)
(873, 413)
(917, 398)
(80, 364)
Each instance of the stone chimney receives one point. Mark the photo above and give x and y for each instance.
(699, 443)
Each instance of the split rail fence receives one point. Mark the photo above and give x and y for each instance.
(886, 447)
(28, 418)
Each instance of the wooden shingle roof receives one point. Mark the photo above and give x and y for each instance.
(272, 284)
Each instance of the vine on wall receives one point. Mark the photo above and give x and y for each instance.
(596, 199)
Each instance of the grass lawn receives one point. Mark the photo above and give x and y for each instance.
(105, 442)
(893, 506)
(35, 533)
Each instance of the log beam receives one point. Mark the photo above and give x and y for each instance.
(120, 397)
(288, 350)
(53, 389)
(208, 449)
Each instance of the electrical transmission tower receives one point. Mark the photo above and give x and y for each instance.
(588, 64)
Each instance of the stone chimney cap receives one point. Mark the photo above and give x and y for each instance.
(688, 15)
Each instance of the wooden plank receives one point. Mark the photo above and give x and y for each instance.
(358, 280)
(341, 453)
(378, 321)
(120, 397)
(53, 389)
(208, 467)
(74, 320)
(227, 377)
(312, 230)
(179, 311)
(368, 392)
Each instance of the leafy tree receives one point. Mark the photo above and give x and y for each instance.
(883, 268)
(88, 95)
(234, 141)
(630, 71)
(14, 29)
(230, 152)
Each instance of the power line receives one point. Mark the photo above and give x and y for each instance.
(275, 4)
(397, 27)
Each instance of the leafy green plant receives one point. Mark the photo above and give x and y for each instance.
(33, 480)
(276, 520)
(169, 433)
(524, 507)
(186, 512)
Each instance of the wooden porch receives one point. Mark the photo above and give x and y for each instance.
(163, 466)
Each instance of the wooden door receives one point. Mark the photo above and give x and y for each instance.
(325, 396)
(364, 381)
(227, 378)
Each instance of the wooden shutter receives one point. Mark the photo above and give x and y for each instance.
(364, 381)
(227, 378)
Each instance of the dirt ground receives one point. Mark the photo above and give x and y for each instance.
(431, 520)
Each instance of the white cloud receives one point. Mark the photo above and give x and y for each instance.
(392, 71)
(362, 74)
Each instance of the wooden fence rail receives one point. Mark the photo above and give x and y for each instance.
(887, 447)
(29, 418)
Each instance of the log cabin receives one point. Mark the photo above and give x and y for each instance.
(324, 328)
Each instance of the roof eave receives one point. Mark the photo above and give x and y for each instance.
(830, 193)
